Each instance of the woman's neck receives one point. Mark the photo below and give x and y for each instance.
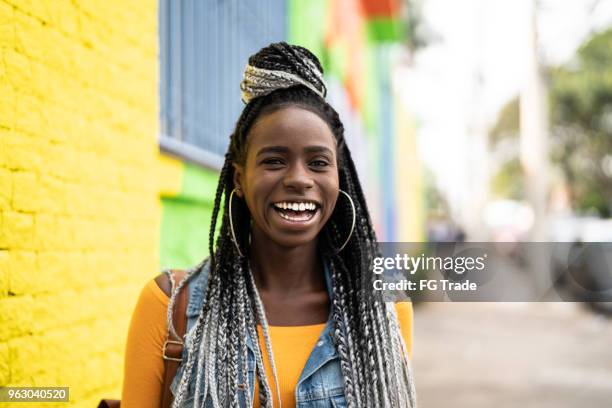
(282, 270)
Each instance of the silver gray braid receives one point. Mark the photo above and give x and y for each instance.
(260, 82)
(265, 393)
(344, 344)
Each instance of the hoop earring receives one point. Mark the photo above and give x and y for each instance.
(231, 219)
(352, 224)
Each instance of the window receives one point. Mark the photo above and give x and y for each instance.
(204, 46)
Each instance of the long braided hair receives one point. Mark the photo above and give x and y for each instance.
(373, 355)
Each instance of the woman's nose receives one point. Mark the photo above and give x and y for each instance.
(297, 178)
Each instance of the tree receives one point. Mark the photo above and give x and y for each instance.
(581, 116)
(581, 129)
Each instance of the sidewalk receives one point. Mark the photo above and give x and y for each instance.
(500, 355)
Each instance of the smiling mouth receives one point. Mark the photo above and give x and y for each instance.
(296, 211)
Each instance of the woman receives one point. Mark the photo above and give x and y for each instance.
(283, 313)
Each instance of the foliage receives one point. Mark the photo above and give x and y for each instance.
(581, 116)
(580, 131)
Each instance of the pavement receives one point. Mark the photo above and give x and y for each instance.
(503, 355)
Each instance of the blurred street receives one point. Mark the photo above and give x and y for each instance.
(512, 355)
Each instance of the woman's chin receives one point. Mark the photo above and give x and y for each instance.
(291, 241)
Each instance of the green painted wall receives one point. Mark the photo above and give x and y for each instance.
(186, 219)
(306, 26)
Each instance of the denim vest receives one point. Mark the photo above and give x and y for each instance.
(321, 383)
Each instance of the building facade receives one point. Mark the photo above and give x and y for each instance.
(114, 118)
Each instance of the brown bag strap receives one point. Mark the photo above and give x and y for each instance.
(109, 403)
(173, 348)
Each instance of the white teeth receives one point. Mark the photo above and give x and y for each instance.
(296, 206)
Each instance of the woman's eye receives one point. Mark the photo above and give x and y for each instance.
(319, 163)
(272, 161)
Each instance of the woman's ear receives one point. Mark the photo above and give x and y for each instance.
(238, 177)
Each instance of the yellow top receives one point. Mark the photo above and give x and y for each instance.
(144, 366)
(291, 346)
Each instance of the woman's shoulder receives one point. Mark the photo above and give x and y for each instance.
(150, 313)
(162, 281)
(152, 294)
(195, 274)
(148, 323)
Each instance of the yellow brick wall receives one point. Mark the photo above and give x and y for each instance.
(79, 207)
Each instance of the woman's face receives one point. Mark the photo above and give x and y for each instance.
(290, 177)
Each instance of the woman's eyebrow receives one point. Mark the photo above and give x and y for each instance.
(284, 149)
(272, 149)
(318, 149)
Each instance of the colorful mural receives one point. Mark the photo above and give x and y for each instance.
(90, 209)
(357, 42)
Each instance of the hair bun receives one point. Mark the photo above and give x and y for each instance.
(281, 65)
